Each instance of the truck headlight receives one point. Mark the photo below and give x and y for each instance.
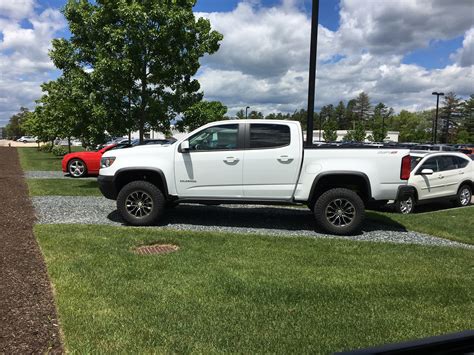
(106, 162)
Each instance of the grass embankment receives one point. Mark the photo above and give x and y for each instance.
(455, 224)
(32, 159)
(250, 294)
(63, 187)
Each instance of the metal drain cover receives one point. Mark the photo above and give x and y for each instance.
(156, 249)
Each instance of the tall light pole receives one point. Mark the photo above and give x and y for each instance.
(312, 72)
(435, 129)
(247, 112)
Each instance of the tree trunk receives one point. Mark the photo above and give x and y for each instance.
(141, 127)
(69, 144)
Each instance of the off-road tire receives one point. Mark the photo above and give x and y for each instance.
(150, 196)
(461, 199)
(323, 209)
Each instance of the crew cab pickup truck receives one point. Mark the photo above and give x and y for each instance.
(257, 162)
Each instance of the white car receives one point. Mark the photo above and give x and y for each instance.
(438, 176)
(253, 161)
(27, 139)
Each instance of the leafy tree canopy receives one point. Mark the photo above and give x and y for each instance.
(141, 56)
(201, 113)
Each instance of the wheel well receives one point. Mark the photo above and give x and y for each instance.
(155, 177)
(357, 183)
(468, 183)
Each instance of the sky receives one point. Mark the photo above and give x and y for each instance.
(397, 51)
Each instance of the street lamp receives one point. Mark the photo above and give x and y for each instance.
(312, 71)
(435, 129)
(247, 112)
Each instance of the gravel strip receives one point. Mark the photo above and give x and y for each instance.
(52, 175)
(268, 220)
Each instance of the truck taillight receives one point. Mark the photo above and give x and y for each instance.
(406, 168)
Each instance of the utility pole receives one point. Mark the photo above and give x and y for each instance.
(435, 130)
(312, 72)
(247, 112)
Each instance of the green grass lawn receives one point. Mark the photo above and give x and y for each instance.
(32, 159)
(455, 224)
(63, 187)
(249, 294)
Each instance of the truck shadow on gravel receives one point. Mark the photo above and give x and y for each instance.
(264, 217)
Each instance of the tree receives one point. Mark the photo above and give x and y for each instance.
(341, 116)
(451, 114)
(413, 127)
(201, 113)
(468, 118)
(302, 117)
(142, 57)
(362, 107)
(240, 114)
(330, 130)
(380, 122)
(14, 127)
(356, 135)
(327, 113)
(351, 116)
(255, 115)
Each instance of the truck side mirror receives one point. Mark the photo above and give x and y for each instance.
(184, 147)
(427, 172)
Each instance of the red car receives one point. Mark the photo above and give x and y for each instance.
(79, 164)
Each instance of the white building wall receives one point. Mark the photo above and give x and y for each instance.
(392, 136)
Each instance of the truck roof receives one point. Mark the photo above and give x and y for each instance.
(248, 120)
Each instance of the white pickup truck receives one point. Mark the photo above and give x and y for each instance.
(257, 162)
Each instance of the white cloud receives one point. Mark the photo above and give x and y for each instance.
(465, 56)
(263, 60)
(24, 61)
(265, 42)
(399, 26)
(16, 9)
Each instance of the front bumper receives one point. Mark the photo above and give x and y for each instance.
(107, 186)
(404, 192)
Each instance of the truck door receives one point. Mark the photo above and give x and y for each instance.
(212, 167)
(272, 159)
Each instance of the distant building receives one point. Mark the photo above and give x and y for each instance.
(392, 136)
(158, 135)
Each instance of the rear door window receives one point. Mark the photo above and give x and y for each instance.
(447, 163)
(269, 135)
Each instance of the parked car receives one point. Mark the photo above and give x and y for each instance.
(27, 139)
(253, 161)
(438, 176)
(80, 164)
(135, 142)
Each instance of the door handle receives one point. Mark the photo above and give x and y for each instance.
(231, 160)
(461, 173)
(285, 159)
(441, 177)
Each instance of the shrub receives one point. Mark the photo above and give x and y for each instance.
(59, 150)
(47, 147)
